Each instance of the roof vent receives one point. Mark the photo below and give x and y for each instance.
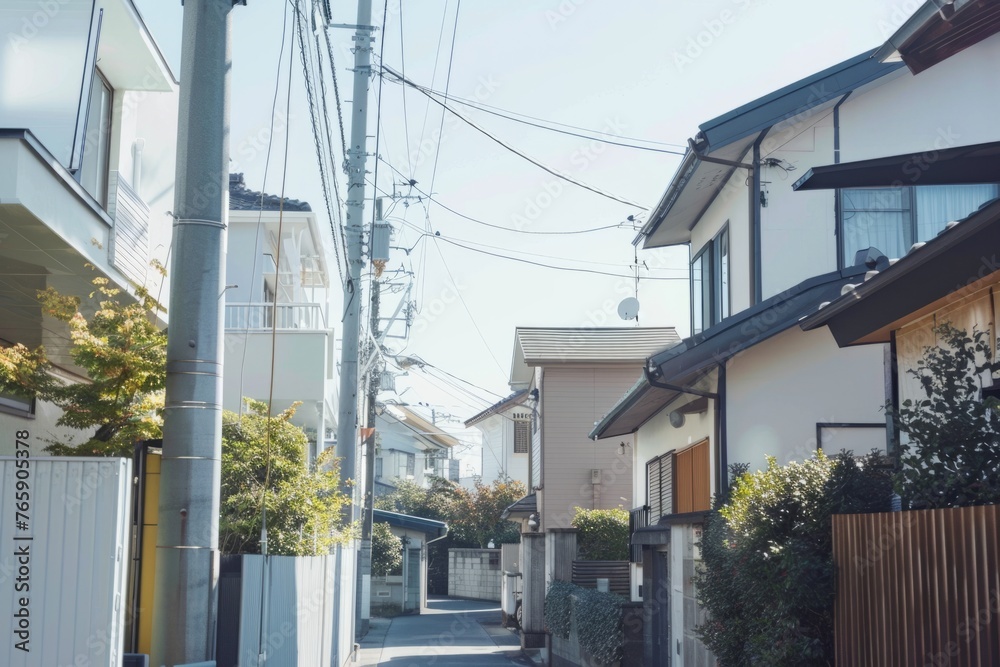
(872, 258)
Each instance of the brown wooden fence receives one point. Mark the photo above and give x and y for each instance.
(919, 588)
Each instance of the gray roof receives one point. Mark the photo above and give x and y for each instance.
(417, 523)
(516, 398)
(585, 346)
(521, 508)
(540, 346)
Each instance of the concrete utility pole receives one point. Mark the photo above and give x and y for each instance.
(363, 608)
(347, 424)
(187, 557)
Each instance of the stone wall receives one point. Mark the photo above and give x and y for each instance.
(474, 573)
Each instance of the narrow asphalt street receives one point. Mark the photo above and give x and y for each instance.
(447, 633)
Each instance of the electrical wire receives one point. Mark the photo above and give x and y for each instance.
(447, 87)
(500, 227)
(543, 265)
(510, 148)
(507, 112)
(406, 117)
(263, 188)
(591, 137)
(523, 252)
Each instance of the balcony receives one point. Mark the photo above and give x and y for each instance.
(283, 316)
(637, 518)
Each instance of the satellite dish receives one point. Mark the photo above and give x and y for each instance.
(628, 309)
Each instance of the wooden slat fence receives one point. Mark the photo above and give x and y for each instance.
(587, 572)
(918, 588)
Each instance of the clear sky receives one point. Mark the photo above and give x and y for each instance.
(640, 72)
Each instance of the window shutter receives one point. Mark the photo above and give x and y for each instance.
(660, 483)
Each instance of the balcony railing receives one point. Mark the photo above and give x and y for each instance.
(265, 316)
(637, 518)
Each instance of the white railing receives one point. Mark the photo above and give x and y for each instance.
(264, 316)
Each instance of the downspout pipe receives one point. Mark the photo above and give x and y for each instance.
(837, 199)
(756, 285)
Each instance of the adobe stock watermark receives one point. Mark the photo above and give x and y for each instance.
(709, 33)
(36, 22)
(434, 309)
(485, 88)
(534, 206)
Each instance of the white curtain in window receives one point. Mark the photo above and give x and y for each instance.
(876, 218)
(937, 205)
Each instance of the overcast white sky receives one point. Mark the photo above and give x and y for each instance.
(638, 69)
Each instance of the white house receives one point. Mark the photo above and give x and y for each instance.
(409, 447)
(88, 132)
(280, 287)
(506, 426)
(749, 382)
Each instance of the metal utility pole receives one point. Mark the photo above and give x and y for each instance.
(187, 557)
(347, 423)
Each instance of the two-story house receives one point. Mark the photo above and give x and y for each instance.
(278, 280)
(749, 383)
(409, 447)
(572, 376)
(88, 132)
(506, 428)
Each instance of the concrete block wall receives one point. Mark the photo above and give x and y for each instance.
(474, 573)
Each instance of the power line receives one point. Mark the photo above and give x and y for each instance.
(489, 224)
(510, 148)
(512, 250)
(447, 87)
(501, 111)
(406, 117)
(492, 111)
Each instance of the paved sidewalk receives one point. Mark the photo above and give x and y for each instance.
(447, 633)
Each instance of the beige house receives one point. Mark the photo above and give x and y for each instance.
(573, 376)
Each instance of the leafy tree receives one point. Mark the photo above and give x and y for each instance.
(412, 499)
(767, 577)
(952, 457)
(603, 534)
(387, 550)
(476, 519)
(124, 355)
(303, 505)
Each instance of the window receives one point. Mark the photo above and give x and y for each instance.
(17, 403)
(411, 464)
(660, 486)
(710, 283)
(97, 142)
(893, 219)
(378, 468)
(522, 433)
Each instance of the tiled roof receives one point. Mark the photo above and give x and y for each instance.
(541, 346)
(243, 199)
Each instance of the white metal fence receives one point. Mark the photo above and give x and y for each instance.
(256, 316)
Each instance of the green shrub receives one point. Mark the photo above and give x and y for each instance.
(598, 619)
(952, 458)
(767, 577)
(603, 534)
(387, 551)
(558, 608)
(599, 624)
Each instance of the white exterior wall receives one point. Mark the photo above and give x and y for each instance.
(779, 389)
(498, 449)
(953, 103)
(395, 442)
(730, 206)
(797, 228)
